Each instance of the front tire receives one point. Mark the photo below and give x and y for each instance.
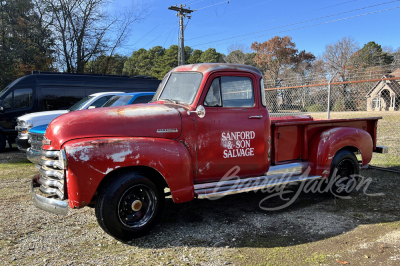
(129, 206)
(344, 170)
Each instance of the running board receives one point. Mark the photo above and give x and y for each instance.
(278, 175)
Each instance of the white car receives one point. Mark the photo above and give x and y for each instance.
(26, 122)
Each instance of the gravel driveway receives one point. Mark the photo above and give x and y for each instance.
(315, 230)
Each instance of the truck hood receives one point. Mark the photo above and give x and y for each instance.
(139, 120)
(40, 118)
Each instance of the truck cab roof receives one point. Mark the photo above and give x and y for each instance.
(210, 67)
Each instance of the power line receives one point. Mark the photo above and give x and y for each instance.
(202, 22)
(145, 35)
(271, 20)
(212, 5)
(297, 23)
(189, 3)
(160, 35)
(365, 14)
(169, 35)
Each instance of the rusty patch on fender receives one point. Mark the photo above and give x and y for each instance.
(100, 143)
(121, 111)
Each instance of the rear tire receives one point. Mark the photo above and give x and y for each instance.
(2, 143)
(129, 206)
(344, 170)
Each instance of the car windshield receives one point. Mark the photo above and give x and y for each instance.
(79, 104)
(118, 100)
(181, 87)
(6, 89)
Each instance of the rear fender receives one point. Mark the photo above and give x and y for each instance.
(326, 143)
(90, 160)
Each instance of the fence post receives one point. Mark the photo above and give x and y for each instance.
(329, 94)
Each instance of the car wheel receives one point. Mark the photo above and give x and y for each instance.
(344, 171)
(129, 206)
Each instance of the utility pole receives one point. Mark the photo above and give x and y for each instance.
(182, 12)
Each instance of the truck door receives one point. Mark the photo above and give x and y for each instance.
(232, 131)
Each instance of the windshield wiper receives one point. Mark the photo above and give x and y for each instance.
(173, 101)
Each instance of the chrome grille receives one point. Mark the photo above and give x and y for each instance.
(51, 174)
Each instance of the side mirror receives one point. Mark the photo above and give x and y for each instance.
(200, 111)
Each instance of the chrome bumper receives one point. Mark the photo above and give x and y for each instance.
(33, 156)
(48, 204)
(381, 149)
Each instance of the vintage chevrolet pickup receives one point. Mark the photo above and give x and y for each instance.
(207, 133)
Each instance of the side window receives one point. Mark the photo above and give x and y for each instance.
(22, 98)
(143, 99)
(213, 97)
(52, 99)
(58, 99)
(237, 92)
(263, 100)
(8, 101)
(101, 101)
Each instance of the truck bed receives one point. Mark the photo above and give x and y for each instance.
(291, 134)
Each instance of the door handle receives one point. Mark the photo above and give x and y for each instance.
(255, 117)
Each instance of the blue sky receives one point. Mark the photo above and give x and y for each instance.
(216, 20)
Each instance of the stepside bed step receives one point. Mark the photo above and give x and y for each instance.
(278, 175)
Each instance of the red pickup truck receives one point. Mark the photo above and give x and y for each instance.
(206, 133)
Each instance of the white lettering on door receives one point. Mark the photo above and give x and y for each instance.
(237, 144)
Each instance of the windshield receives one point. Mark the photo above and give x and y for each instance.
(6, 89)
(79, 104)
(182, 87)
(118, 100)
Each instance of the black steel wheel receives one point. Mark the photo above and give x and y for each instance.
(129, 206)
(344, 171)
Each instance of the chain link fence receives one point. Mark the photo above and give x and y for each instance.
(367, 92)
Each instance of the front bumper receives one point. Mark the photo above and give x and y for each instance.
(47, 204)
(33, 155)
(22, 143)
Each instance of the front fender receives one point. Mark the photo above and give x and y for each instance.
(90, 160)
(326, 143)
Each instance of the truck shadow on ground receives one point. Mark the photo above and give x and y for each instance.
(238, 221)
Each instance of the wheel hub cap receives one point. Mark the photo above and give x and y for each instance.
(136, 205)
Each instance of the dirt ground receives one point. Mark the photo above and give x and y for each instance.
(315, 230)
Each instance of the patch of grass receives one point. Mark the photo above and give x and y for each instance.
(17, 169)
(316, 259)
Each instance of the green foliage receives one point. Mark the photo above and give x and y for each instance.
(26, 43)
(372, 55)
(316, 108)
(211, 56)
(108, 65)
(195, 58)
(158, 61)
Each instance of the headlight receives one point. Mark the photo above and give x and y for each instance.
(29, 124)
(62, 159)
